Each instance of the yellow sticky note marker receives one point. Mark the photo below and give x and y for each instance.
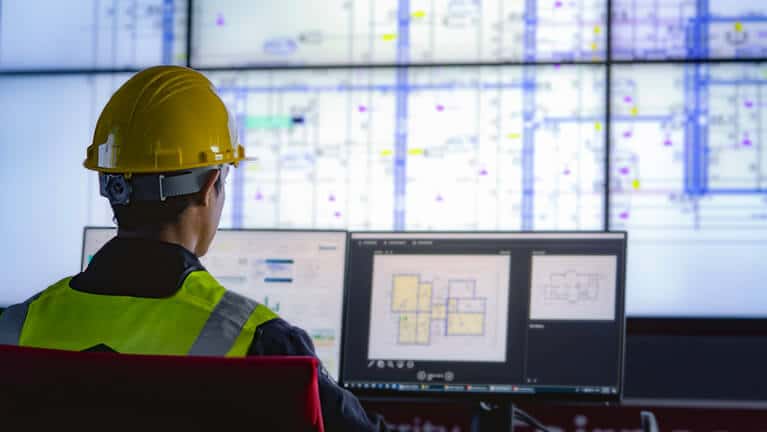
(598, 126)
(419, 14)
(594, 46)
(386, 153)
(597, 29)
(415, 152)
(635, 183)
(389, 37)
(635, 111)
(513, 136)
(739, 27)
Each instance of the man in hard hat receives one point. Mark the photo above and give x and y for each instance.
(163, 147)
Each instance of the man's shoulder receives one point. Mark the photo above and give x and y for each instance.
(53, 289)
(279, 337)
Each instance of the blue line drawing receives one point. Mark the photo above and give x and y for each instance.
(689, 28)
(168, 29)
(573, 287)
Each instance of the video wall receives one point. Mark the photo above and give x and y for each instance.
(634, 115)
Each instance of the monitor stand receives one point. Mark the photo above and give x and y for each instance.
(493, 416)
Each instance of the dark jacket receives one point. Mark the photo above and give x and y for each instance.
(146, 268)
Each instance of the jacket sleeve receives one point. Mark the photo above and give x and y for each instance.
(340, 409)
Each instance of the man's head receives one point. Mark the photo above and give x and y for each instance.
(195, 216)
(163, 146)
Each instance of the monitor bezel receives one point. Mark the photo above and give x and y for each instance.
(97, 227)
(500, 397)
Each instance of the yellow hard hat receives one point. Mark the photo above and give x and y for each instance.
(163, 119)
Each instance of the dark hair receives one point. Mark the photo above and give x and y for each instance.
(154, 214)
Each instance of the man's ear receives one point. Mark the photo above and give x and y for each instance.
(208, 191)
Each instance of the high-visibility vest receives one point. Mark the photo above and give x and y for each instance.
(201, 318)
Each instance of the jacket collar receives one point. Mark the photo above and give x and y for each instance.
(137, 268)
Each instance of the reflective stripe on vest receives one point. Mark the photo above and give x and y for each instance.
(12, 322)
(224, 325)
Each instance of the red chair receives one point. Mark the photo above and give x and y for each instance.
(41, 389)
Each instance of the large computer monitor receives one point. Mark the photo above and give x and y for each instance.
(506, 314)
(298, 274)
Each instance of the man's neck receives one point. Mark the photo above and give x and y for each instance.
(174, 234)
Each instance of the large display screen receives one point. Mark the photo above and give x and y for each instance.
(679, 29)
(305, 32)
(454, 148)
(47, 123)
(91, 34)
(689, 184)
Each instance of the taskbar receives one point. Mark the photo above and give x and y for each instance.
(479, 388)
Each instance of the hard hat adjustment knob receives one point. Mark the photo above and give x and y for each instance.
(116, 188)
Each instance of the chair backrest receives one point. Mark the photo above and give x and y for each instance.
(45, 388)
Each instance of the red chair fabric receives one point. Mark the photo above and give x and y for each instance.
(103, 391)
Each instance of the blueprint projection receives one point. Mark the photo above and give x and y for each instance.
(435, 148)
(396, 31)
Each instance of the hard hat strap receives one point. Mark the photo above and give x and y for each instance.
(152, 187)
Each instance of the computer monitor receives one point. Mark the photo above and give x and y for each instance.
(298, 274)
(506, 314)
(94, 238)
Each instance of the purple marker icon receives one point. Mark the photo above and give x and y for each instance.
(332, 198)
(624, 215)
(747, 142)
(337, 214)
(567, 172)
(220, 19)
(749, 104)
(558, 4)
(362, 108)
(259, 196)
(625, 170)
(483, 172)
(628, 99)
(627, 134)
(668, 142)
(440, 108)
(440, 198)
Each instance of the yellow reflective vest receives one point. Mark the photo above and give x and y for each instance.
(201, 318)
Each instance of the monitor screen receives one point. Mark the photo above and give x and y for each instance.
(58, 112)
(91, 34)
(363, 32)
(674, 29)
(518, 314)
(297, 274)
(457, 148)
(688, 183)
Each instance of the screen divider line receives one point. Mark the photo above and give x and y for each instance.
(608, 113)
(189, 27)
